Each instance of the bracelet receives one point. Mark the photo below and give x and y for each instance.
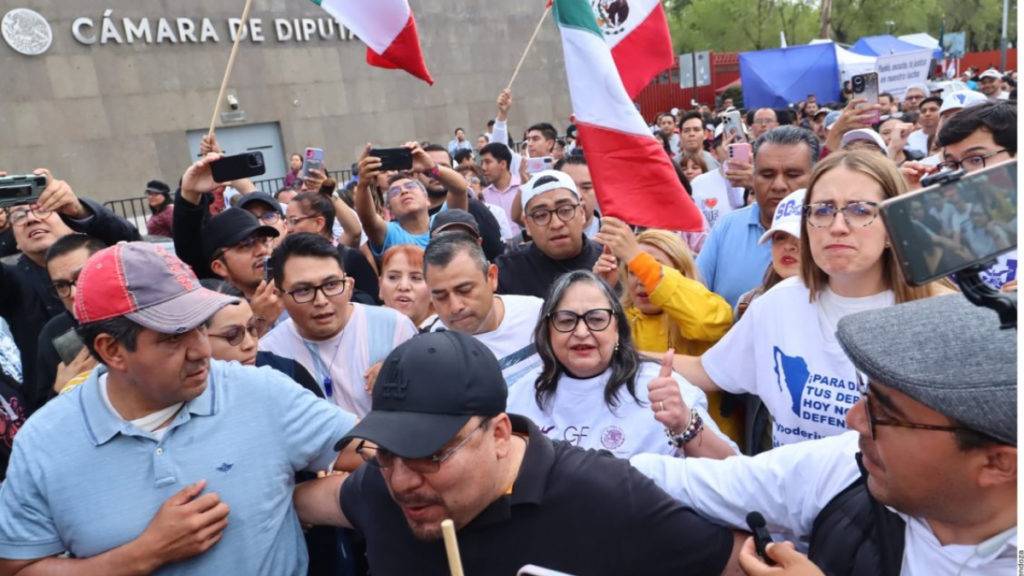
(434, 172)
(693, 428)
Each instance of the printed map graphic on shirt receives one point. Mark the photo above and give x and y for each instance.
(1003, 271)
(793, 374)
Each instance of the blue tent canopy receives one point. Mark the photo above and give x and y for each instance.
(884, 46)
(775, 78)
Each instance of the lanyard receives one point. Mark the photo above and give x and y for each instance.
(323, 372)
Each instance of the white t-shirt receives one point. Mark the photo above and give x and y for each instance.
(784, 350)
(504, 223)
(918, 140)
(715, 197)
(512, 341)
(577, 413)
(791, 485)
(346, 356)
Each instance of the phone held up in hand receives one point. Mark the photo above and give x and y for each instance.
(245, 165)
(538, 164)
(866, 86)
(313, 159)
(393, 158)
(18, 190)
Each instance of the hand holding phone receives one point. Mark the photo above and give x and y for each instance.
(538, 164)
(312, 159)
(23, 189)
(393, 158)
(866, 86)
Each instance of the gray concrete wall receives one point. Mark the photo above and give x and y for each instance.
(110, 117)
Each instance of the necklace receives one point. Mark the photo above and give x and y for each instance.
(323, 370)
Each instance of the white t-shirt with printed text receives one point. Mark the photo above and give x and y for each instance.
(715, 197)
(346, 356)
(784, 351)
(576, 412)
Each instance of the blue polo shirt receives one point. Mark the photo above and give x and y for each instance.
(84, 480)
(731, 262)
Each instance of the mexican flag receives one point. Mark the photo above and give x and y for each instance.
(637, 33)
(388, 29)
(633, 176)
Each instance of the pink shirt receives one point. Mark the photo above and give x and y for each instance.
(504, 199)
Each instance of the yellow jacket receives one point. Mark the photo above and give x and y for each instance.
(700, 318)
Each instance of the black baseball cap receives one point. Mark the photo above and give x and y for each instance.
(427, 390)
(231, 227)
(262, 198)
(452, 220)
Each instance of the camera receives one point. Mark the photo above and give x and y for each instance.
(232, 101)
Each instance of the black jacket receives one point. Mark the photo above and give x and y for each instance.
(27, 300)
(526, 270)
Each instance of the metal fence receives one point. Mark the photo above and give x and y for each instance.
(136, 210)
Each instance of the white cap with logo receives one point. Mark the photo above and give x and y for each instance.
(961, 99)
(787, 216)
(545, 181)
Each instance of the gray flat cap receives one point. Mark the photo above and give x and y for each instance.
(945, 353)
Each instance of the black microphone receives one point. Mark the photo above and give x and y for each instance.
(761, 536)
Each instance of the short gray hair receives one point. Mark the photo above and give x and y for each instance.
(790, 136)
(443, 248)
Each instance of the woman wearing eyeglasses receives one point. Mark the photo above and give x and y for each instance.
(784, 348)
(234, 333)
(593, 389)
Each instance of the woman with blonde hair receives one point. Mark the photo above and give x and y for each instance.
(784, 348)
(665, 303)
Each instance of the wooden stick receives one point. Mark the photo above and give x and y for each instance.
(528, 45)
(451, 546)
(231, 64)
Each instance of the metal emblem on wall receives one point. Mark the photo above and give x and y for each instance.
(26, 31)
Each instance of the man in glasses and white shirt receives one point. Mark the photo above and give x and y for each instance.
(335, 339)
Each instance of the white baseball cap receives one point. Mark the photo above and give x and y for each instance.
(787, 216)
(961, 99)
(991, 73)
(862, 135)
(545, 181)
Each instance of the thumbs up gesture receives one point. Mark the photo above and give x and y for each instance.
(666, 399)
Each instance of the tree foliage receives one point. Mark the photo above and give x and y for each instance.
(739, 25)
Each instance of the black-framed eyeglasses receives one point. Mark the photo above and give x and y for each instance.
(856, 214)
(330, 288)
(269, 217)
(63, 287)
(235, 334)
(566, 321)
(385, 459)
(18, 214)
(565, 213)
(874, 420)
(970, 163)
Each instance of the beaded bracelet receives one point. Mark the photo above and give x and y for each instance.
(693, 428)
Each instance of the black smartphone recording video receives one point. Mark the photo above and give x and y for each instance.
(393, 158)
(245, 165)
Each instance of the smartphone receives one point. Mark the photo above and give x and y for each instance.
(17, 190)
(532, 570)
(734, 125)
(741, 152)
(312, 160)
(68, 345)
(955, 223)
(866, 86)
(534, 165)
(393, 158)
(268, 271)
(239, 166)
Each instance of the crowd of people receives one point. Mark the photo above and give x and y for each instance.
(312, 381)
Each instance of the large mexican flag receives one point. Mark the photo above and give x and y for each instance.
(633, 176)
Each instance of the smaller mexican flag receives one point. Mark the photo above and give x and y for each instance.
(633, 176)
(388, 29)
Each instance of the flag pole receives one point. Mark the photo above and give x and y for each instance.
(528, 45)
(231, 64)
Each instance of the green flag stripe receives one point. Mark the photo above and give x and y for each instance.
(576, 14)
(317, 2)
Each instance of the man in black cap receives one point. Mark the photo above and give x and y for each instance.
(926, 481)
(455, 220)
(236, 246)
(267, 210)
(438, 444)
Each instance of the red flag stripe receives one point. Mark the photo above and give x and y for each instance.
(404, 53)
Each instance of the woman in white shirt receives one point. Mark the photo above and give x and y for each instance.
(784, 348)
(586, 391)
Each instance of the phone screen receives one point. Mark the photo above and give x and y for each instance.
(947, 227)
(312, 160)
(734, 125)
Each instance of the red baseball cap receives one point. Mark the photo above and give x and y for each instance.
(146, 284)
